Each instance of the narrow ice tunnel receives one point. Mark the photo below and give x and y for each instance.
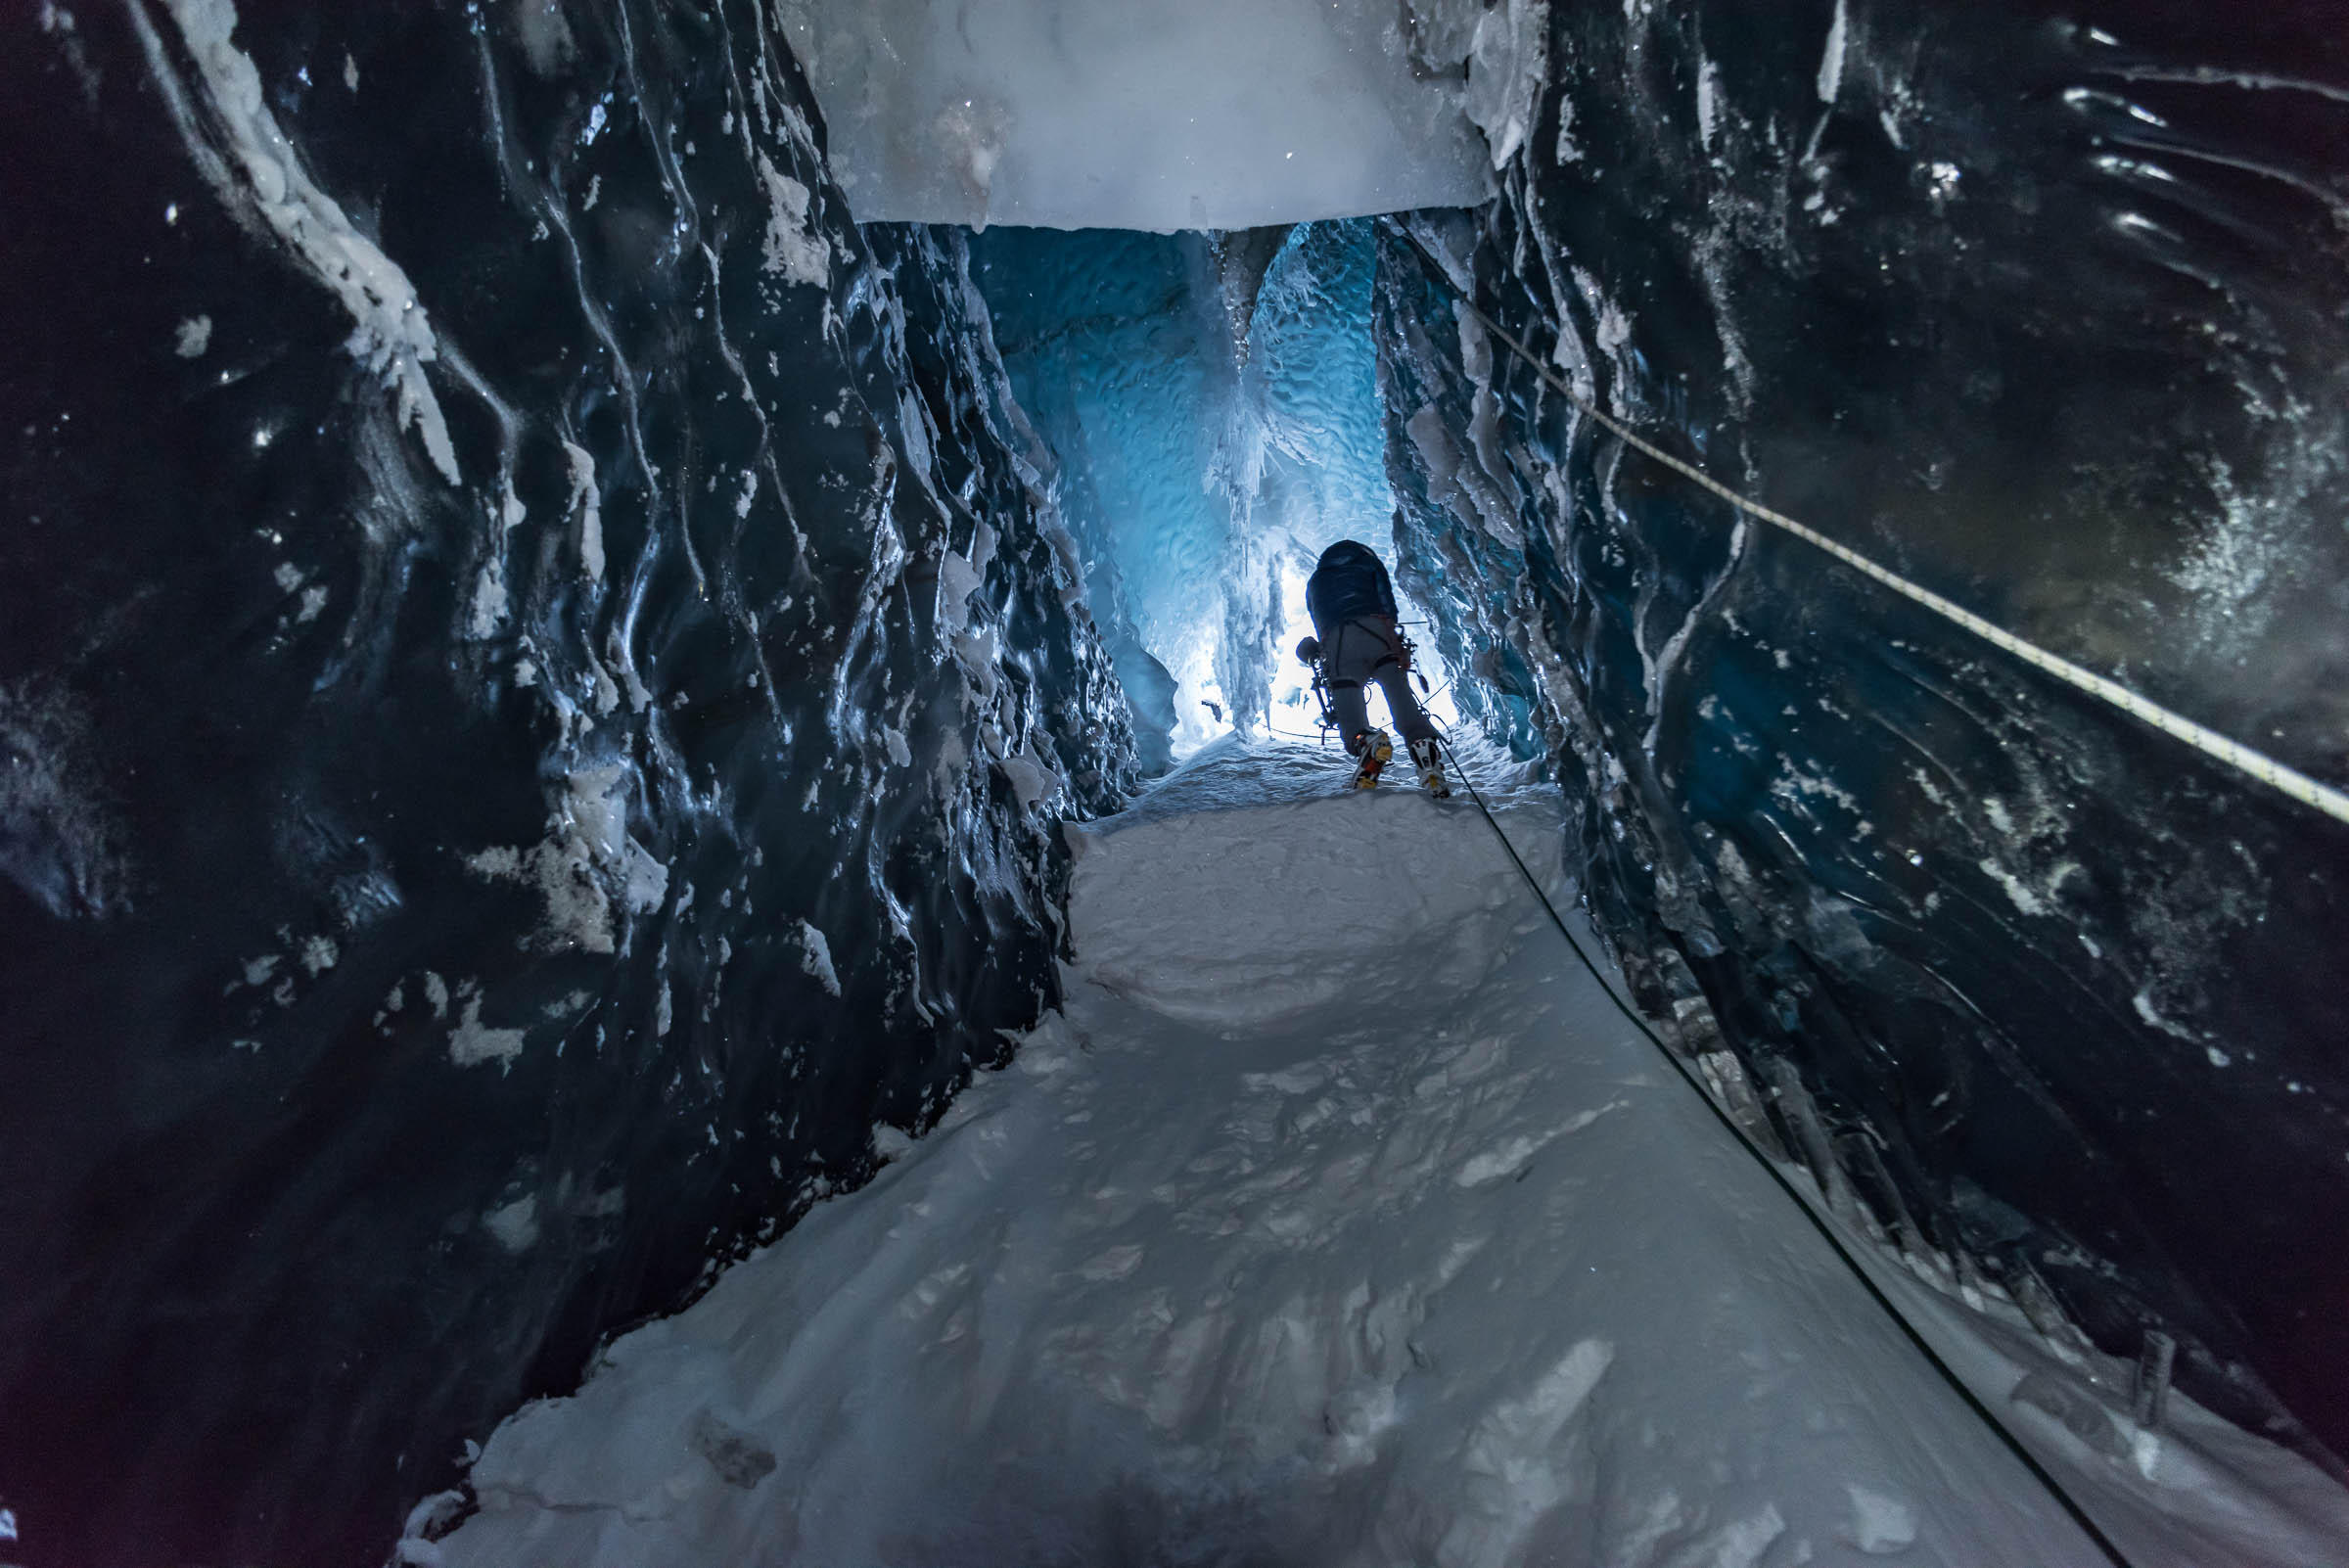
(670, 894)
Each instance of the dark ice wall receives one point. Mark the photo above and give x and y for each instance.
(535, 683)
(2051, 315)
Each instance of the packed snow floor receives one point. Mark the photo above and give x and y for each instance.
(1338, 1219)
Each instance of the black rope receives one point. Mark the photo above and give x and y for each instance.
(1818, 1222)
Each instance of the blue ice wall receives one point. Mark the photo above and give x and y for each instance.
(2043, 311)
(1117, 351)
(1215, 427)
(538, 682)
(1310, 444)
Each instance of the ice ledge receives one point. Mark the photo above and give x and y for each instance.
(1086, 113)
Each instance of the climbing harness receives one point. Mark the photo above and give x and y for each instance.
(2233, 753)
(1818, 1222)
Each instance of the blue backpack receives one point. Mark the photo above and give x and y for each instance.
(1347, 582)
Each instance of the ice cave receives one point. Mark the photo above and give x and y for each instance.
(672, 897)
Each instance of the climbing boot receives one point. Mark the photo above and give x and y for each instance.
(1376, 751)
(1428, 757)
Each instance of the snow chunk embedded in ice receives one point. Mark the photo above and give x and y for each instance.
(800, 254)
(815, 958)
(515, 1226)
(195, 336)
(1830, 60)
(473, 1042)
(1507, 66)
(222, 114)
(1031, 780)
(2025, 900)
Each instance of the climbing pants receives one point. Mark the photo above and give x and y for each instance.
(1369, 648)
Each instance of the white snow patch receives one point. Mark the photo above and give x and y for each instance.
(515, 1226)
(586, 857)
(1880, 1524)
(800, 254)
(235, 142)
(473, 1042)
(195, 336)
(1508, 62)
(1031, 780)
(1999, 818)
(1830, 60)
(587, 500)
(815, 958)
(2143, 1001)
(545, 35)
(1708, 102)
(2025, 899)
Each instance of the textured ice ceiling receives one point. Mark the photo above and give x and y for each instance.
(1102, 114)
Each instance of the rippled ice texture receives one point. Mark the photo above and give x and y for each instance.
(1217, 427)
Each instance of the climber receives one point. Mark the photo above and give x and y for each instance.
(1357, 638)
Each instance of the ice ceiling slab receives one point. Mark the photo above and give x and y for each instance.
(1103, 113)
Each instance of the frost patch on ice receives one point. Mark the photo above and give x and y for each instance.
(515, 1226)
(488, 601)
(319, 954)
(1708, 102)
(815, 958)
(2240, 558)
(2143, 1001)
(2025, 900)
(586, 858)
(1508, 64)
(472, 1042)
(235, 142)
(195, 336)
(544, 33)
(588, 501)
(1830, 60)
(1880, 1524)
(1030, 781)
(799, 255)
